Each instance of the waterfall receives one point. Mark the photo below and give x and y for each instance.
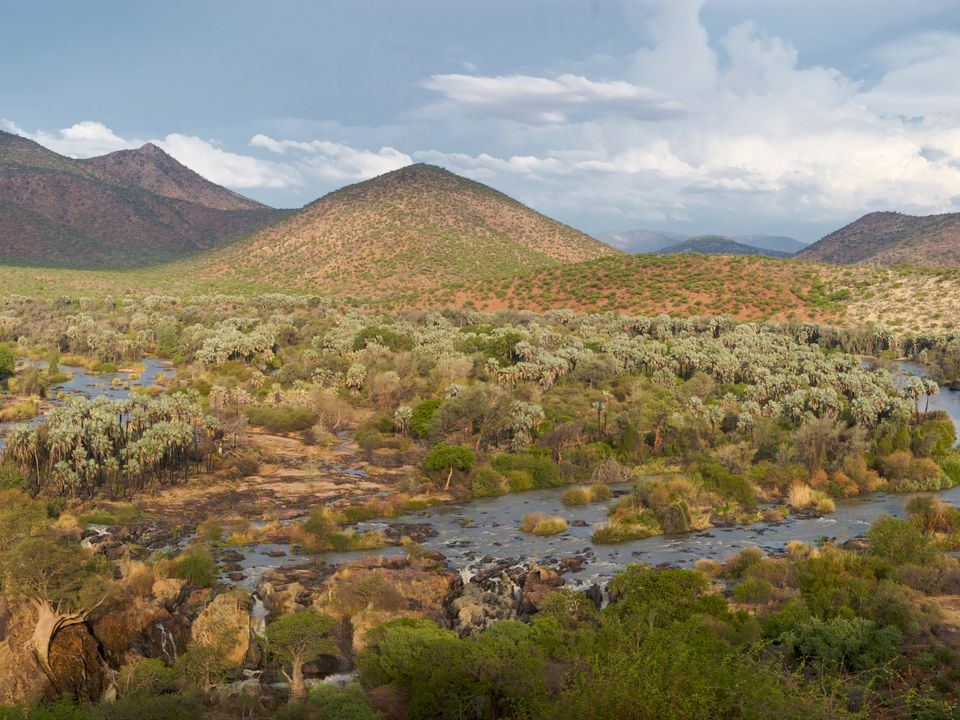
(168, 645)
(258, 616)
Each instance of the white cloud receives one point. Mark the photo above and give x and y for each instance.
(761, 135)
(549, 100)
(84, 139)
(335, 161)
(228, 168)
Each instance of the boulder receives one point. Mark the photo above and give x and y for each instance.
(78, 670)
(225, 625)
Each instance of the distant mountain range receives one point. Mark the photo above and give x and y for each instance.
(718, 245)
(651, 241)
(889, 238)
(414, 228)
(120, 210)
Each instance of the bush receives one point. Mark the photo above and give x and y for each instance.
(423, 415)
(733, 487)
(542, 471)
(899, 541)
(843, 643)
(281, 419)
(542, 524)
(330, 702)
(395, 341)
(576, 496)
(196, 567)
(487, 482)
(754, 591)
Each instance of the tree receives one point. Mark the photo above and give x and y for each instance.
(449, 458)
(296, 638)
(63, 582)
(7, 362)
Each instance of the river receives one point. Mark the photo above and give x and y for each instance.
(478, 531)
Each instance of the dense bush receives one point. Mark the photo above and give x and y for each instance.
(280, 419)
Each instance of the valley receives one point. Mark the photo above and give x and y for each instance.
(418, 419)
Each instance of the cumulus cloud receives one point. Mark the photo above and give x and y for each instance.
(81, 140)
(335, 161)
(228, 168)
(549, 100)
(761, 134)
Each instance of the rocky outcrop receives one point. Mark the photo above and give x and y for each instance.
(76, 667)
(225, 624)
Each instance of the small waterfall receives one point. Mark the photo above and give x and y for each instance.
(258, 616)
(168, 644)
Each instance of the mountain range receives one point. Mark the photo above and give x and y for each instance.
(651, 241)
(121, 210)
(718, 245)
(890, 238)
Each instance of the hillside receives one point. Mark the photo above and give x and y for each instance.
(889, 238)
(647, 284)
(779, 243)
(717, 245)
(152, 169)
(55, 210)
(417, 227)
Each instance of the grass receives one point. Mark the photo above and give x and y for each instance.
(541, 524)
(586, 494)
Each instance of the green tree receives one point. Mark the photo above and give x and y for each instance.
(296, 638)
(7, 362)
(447, 458)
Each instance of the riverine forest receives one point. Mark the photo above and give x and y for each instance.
(338, 381)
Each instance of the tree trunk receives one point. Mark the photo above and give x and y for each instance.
(49, 623)
(298, 688)
(449, 476)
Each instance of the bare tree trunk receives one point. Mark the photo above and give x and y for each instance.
(446, 485)
(298, 688)
(49, 623)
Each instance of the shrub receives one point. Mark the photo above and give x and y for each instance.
(196, 567)
(576, 496)
(395, 341)
(843, 643)
(281, 419)
(754, 591)
(804, 497)
(613, 532)
(487, 482)
(423, 415)
(542, 471)
(542, 524)
(899, 541)
(733, 487)
(737, 566)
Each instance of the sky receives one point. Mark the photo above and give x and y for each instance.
(696, 116)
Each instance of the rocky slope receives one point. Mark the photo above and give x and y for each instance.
(417, 227)
(889, 238)
(112, 212)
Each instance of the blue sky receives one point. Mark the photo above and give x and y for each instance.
(729, 116)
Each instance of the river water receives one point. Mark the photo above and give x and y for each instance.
(473, 533)
(83, 383)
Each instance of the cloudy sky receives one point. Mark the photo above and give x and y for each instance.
(730, 116)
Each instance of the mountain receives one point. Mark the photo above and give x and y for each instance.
(778, 243)
(890, 238)
(650, 241)
(717, 245)
(642, 241)
(121, 210)
(417, 227)
(152, 169)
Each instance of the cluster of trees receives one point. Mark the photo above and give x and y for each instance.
(114, 447)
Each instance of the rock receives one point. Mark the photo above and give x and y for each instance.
(275, 553)
(167, 590)
(571, 564)
(579, 523)
(78, 670)
(537, 584)
(236, 576)
(225, 624)
(596, 594)
(21, 679)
